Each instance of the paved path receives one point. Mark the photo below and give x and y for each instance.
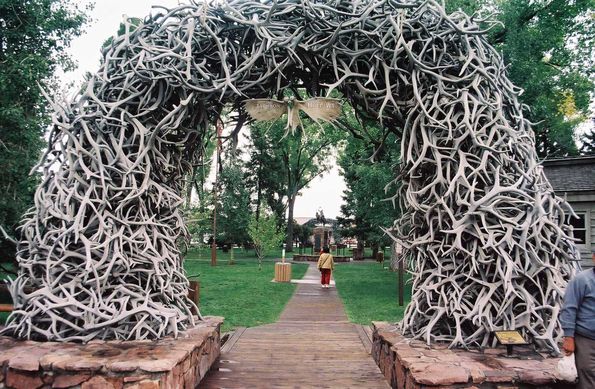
(311, 346)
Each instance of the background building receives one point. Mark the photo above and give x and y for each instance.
(574, 179)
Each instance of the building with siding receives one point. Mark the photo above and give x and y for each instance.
(574, 179)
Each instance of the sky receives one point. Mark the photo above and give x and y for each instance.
(324, 192)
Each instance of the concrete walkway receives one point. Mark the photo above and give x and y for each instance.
(311, 346)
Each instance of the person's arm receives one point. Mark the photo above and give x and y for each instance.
(319, 261)
(572, 299)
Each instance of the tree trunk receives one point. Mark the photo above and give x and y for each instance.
(375, 249)
(289, 239)
(258, 194)
(358, 253)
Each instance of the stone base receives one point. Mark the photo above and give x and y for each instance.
(314, 258)
(408, 364)
(164, 364)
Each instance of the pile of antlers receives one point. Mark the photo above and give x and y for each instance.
(99, 255)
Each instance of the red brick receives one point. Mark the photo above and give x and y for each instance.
(441, 375)
(136, 378)
(22, 380)
(66, 381)
(145, 384)
(97, 382)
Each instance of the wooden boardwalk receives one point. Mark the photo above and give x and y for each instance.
(311, 346)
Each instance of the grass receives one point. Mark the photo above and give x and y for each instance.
(246, 297)
(369, 292)
(241, 293)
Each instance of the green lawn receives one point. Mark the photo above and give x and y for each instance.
(246, 297)
(241, 293)
(369, 292)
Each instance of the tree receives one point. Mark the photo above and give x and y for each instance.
(302, 232)
(199, 219)
(33, 37)
(294, 161)
(130, 24)
(197, 177)
(367, 209)
(549, 46)
(266, 180)
(265, 234)
(588, 141)
(233, 211)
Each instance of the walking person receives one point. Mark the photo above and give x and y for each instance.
(578, 322)
(326, 264)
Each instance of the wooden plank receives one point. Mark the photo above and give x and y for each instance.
(312, 345)
(6, 307)
(282, 272)
(369, 333)
(228, 346)
(367, 342)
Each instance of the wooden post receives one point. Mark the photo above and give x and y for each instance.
(194, 294)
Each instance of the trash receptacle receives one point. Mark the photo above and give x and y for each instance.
(282, 272)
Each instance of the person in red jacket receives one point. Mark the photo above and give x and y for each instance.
(326, 265)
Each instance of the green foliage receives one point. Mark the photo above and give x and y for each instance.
(33, 37)
(197, 177)
(130, 25)
(267, 177)
(302, 232)
(367, 209)
(265, 234)
(242, 293)
(549, 46)
(233, 211)
(369, 292)
(468, 6)
(284, 164)
(199, 219)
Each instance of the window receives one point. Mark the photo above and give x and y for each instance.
(579, 226)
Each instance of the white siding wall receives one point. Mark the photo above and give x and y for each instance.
(588, 207)
(587, 257)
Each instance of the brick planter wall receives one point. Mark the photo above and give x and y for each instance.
(410, 364)
(164, 364)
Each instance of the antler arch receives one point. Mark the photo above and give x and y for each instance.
(99, 250)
